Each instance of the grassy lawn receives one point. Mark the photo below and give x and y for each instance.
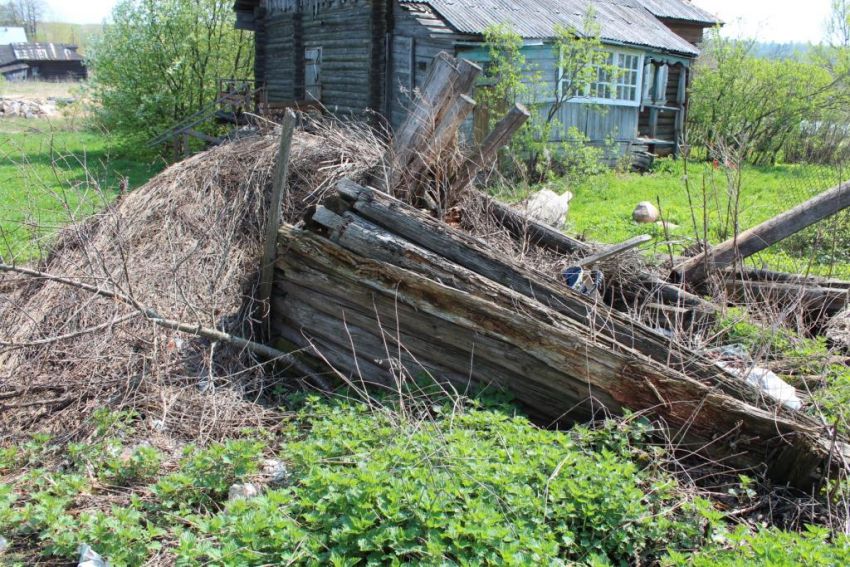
(52, 172)
(39, 89)
(602, 209)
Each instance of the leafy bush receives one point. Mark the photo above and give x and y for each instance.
(465, 489)
(205, 475)
(758, 107)
(159, 62)
(373, 487)
(544, 145)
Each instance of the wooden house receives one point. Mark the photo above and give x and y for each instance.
(44, 61)
(364, 57)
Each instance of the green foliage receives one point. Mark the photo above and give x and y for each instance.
(471, 486)
(758, 107)
(545, 145)
(159, 62)
(205, 475)
(776, 548)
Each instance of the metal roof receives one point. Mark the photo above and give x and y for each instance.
(12, 35)
(621, 21)
(682, 10)
(45, 52)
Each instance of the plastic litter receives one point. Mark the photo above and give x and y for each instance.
(769, 383)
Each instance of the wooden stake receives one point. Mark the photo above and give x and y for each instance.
(278, 190)
(756, 239)
(486, 154)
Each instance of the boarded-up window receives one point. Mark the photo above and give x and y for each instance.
(656, 77)
(313, 73)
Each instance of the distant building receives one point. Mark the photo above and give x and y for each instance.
(44, 61)
(9, 36)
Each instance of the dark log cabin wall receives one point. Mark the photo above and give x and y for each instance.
(345, 41)
(689, 31)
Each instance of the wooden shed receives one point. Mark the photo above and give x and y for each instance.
(45, 61)
(365, 57)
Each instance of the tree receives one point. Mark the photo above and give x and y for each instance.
(838, 26)
(756, 107)
(160, 60)
(580, 59)
(23, 13)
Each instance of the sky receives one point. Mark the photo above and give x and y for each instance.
(766, 20)
(79, 12)
(771, 20)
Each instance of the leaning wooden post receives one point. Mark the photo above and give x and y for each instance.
(695, 270)
(281, 176)
(448, 79)
(486, 154)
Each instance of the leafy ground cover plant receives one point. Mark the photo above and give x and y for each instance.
(369, 486)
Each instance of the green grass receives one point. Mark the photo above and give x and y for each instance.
(51, 173)
(40, 89)
(602, 209)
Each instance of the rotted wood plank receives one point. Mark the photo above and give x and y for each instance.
(466, 251)
(279, 187)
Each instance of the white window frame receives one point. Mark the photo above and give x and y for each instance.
(638, 86)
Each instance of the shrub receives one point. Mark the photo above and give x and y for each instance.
(772, 547)
(159, 62)
(757, 107)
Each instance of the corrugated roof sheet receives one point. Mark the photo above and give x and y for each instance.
(680, 10)
(12, 35)
(620, 21)
(45, 52)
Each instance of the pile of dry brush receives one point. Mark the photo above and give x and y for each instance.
(186, 245)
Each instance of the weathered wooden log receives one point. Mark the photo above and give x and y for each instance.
(756, 239)
(405, 323)
(484, 156)
(471, 254)
(813, 302)
(279, 188)
(646, 286)
(447, 80)
(837, 331)
(613, 251)
(757, 275)
(430, 160)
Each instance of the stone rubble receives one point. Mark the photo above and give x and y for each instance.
(13, 107)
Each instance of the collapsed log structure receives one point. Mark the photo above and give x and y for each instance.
(383, 293)
(375, 286)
